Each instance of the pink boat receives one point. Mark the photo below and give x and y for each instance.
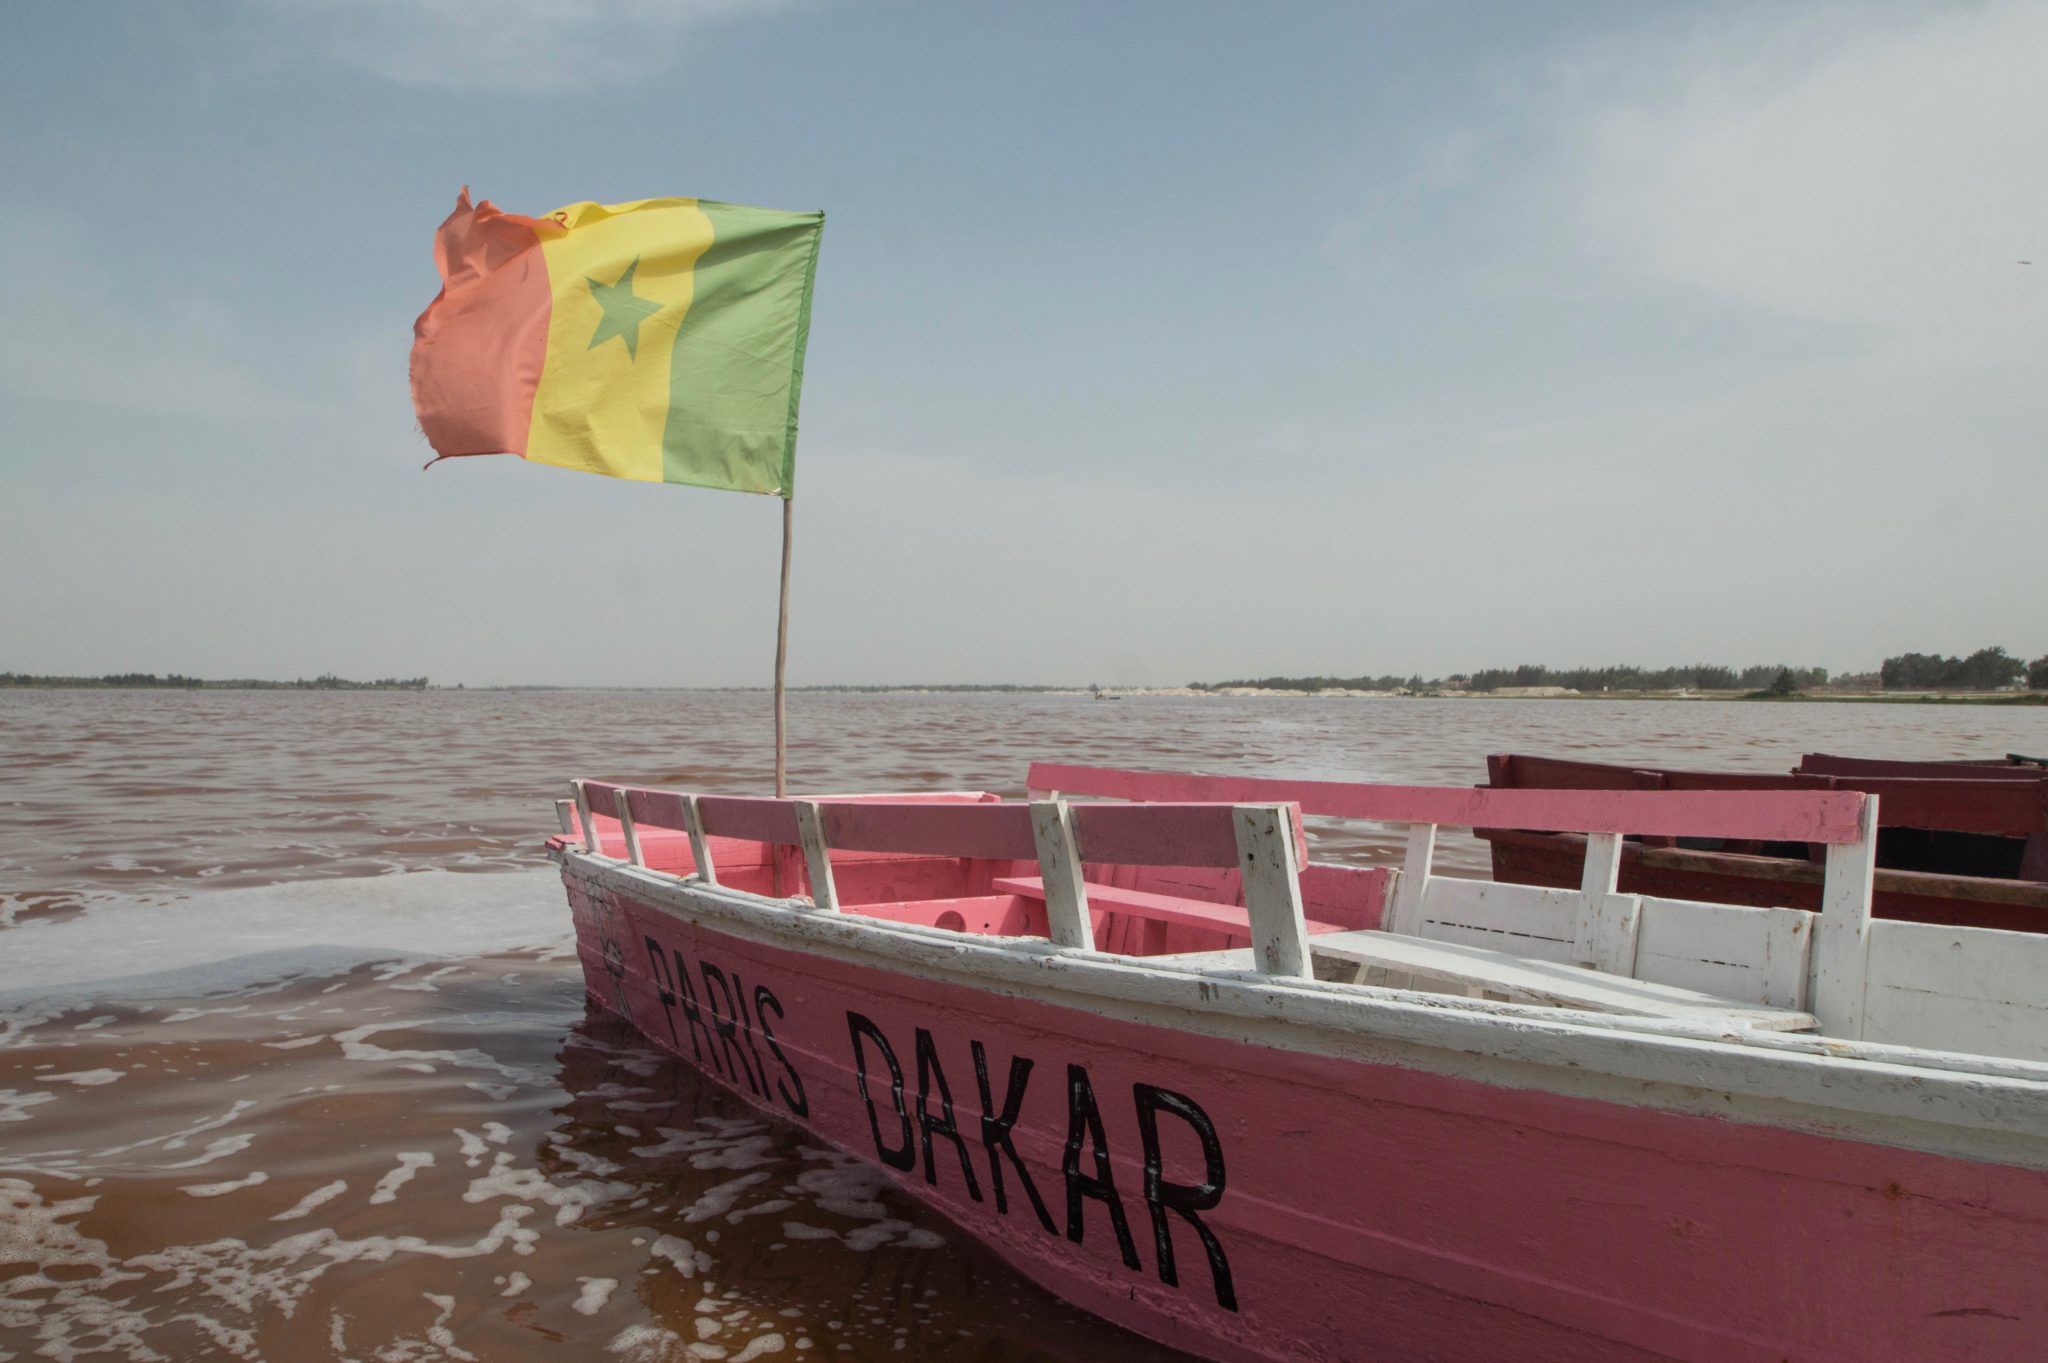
(1260, 1108)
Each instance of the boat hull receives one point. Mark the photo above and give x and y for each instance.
(1208, 1184)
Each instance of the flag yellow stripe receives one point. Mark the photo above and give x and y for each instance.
(603, 397)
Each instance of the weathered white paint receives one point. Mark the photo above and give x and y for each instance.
(632, 834)
(1531, 920)
(1841, 945)
(1272, 888)
(817, 857)
(1756, 955)
(1604, 933)
(1405, 913)
(700, 846)
(1962, 989)
(1557, 984)
(565, 815)
(1059, 867)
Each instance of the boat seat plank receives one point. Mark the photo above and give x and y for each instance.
(1195, 913)
(1549, 982)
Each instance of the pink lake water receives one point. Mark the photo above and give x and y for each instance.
(294, 1062)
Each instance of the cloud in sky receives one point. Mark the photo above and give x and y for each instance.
(1875, 166)
(524, 45)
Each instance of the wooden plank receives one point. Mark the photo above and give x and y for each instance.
(817, 855)
(591, 842)
(655, 808)
(2013, 809)
(752, 818)
(1413, 885)
(1758, 955)
(1772, 816)
(1523, 771)
(1156, 834)
(1958, 989)
(1272, 889)
(565, 815)
(1166, 908)
(624, 805)
(1355, 896)
(1526, 919)
(1841, 946)
(1827, 764)
(1059, 867)
(1225, 958)
(990, 831)
(700, 845)
(1605, 930)
(1553, 983)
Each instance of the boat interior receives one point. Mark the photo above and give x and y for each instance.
(1212, 873)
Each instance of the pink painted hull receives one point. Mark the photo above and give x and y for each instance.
(1367, 1210)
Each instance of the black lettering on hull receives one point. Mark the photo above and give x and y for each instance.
(930, 1074)
(904, 1156)
(725, 1022)
(1188, 1200)
(797, 1102)
(996, 1137)
(1084, 1120)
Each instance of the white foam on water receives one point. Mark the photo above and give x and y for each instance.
(645, 1344)
(410, 1162)
(719, 1200)
(14, 1104)
(82, 1078)
(319, 1197)
(215, 1149)
(356, 1045)
(688, 1259)
(130, 948)
(596, 1292)
(530, 1185)
(219, 1189)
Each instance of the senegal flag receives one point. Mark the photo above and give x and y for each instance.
(661, 340)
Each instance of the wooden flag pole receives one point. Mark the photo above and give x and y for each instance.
(781, 661)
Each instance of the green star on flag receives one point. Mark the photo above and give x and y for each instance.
(624, 311)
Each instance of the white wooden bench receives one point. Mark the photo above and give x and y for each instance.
(1518, 979)
(1780, 968)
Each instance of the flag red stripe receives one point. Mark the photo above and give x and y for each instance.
(479, 347)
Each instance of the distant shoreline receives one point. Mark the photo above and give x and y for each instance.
(17, 681)
(149, 681)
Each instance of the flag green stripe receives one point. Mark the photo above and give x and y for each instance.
(737, 368)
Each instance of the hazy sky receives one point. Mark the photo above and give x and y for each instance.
(1152, 342)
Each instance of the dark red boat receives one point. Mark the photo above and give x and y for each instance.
(1963, 843)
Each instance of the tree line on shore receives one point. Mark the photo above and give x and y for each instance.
(326, 681)
(1988, 669)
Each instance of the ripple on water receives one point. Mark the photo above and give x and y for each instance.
(361, 1198)
(450, 1161)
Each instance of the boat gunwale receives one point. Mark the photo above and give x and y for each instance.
(1991, 1108)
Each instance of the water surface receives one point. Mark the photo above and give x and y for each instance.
(243, 1115)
